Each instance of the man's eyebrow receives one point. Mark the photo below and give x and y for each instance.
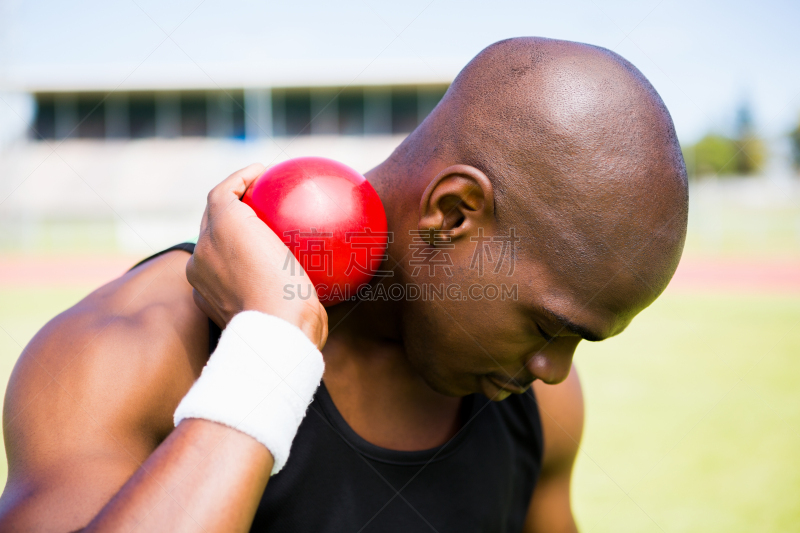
(577, 329)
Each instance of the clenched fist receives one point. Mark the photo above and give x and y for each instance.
(240, 264)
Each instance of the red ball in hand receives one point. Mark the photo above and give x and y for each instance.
(331, 219)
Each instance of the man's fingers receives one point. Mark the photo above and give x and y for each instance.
(241, 179)
(234, 186)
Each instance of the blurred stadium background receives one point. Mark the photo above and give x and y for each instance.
(116, 119)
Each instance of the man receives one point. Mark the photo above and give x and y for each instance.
(558, 157)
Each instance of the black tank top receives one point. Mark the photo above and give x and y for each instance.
(481, 480)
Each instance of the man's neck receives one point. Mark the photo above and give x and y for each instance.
(373, 384)
(369, 377)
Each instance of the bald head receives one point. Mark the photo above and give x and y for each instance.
(581, 153)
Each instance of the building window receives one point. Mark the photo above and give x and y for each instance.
(45, 124)
(238, 114)
(404, 110)
(351, 112)
(194, 114)
(298, 112)
(372, 110)
(91, 116)
(142, 110)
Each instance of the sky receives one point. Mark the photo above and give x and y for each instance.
(704, 57)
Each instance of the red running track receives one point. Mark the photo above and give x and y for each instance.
(777, 276)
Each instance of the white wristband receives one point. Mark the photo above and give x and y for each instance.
(260, 381)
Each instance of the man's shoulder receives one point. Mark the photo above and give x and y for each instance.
(149, 310)
(123, 355)
(561, 411)
(93, 393)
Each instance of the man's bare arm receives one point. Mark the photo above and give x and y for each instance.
(93, 396)
(204, 477)
(561, 411)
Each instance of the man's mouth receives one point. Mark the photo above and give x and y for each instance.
(509, 385)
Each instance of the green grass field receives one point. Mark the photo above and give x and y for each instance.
(693, 419)
(693, 415)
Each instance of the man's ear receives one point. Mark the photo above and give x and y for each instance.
(458, 200)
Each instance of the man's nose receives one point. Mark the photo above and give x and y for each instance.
(552, 363)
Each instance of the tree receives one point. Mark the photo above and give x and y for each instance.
(712, 155)
(750, 150)
(794, 136)
(720, 155)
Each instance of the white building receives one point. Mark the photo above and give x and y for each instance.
(126, 166)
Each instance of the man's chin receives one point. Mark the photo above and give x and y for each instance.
(493, 391)
(449, 387)
(481, 385)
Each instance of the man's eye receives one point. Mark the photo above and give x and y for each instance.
(544, 335)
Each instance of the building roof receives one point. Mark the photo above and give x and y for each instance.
(272, 73)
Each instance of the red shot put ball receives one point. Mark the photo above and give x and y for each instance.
(331, 219)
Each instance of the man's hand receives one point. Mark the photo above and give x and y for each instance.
(240, 264)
